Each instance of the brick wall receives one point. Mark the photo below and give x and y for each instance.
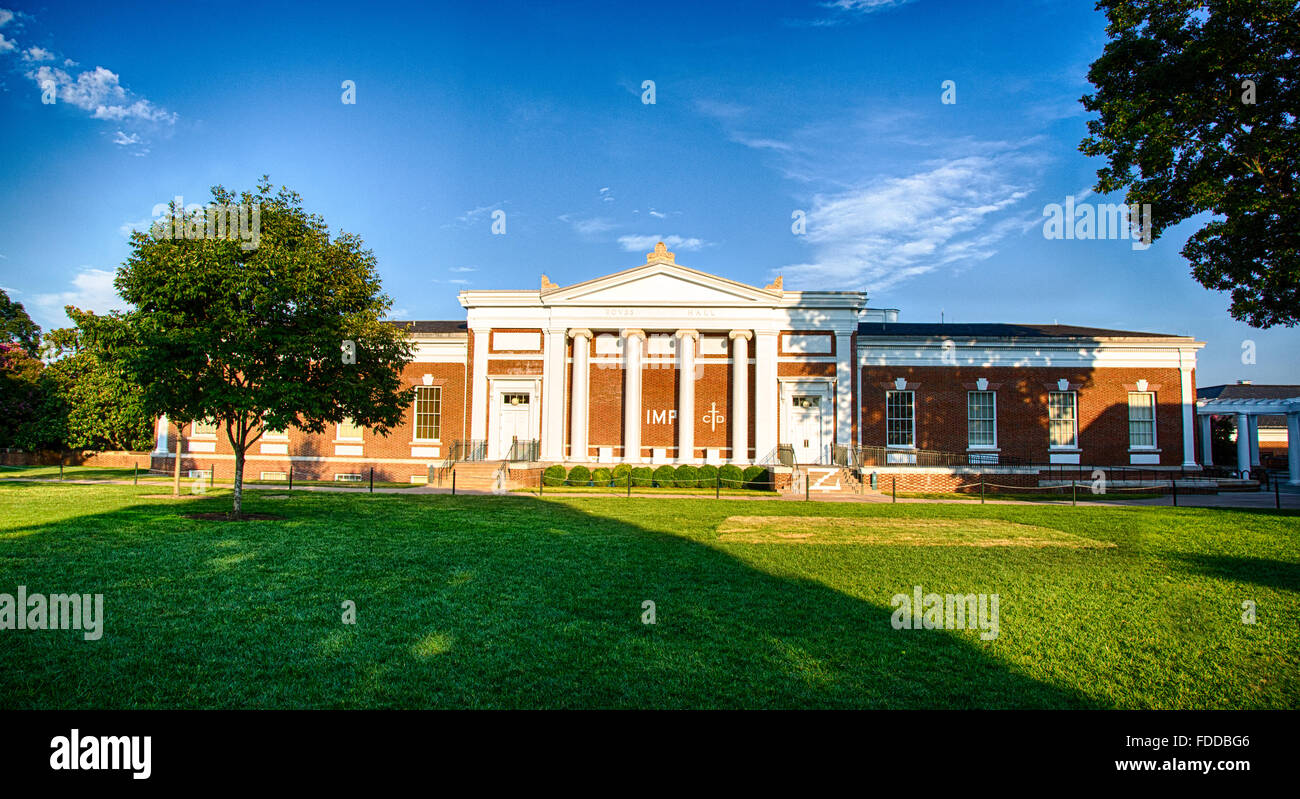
(313, 454)
(111, 459)
(940, 396)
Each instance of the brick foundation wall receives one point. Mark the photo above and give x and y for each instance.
(109, 459)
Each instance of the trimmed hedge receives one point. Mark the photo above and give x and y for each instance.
(643, 476)
(621, 473)
(579, 475)
(732, 476)
(665, 476)
(708, 475)
(686, 476)
(756, 477)
(601, 476)
(554, 475)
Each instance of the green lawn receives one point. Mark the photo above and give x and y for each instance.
(126, 473)
(516, 601)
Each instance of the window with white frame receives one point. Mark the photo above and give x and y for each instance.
(1062, 420)
(269, 434)
(981, 419)
(900, 422)
(347, 430)
(428, 413)
(205, 427)
(1142, 420)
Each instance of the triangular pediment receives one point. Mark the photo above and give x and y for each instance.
(660, 284)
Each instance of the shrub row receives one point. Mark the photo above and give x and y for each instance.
(665, 476)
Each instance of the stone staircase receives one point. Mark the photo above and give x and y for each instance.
(476, 476)
(827, 482)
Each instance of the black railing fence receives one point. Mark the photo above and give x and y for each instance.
(467, 450)
(524, 450)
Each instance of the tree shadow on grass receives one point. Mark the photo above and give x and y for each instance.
(462, 602)
(1263, 572)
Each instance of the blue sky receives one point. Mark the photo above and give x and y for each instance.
(761, 109)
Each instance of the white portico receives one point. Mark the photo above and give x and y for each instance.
(663, 363)
(1247, 403)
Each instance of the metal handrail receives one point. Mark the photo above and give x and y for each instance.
(468, 450)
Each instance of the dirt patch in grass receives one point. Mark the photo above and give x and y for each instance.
(226, 517)
(905, 532)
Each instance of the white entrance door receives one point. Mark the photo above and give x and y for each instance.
(806, 427)
(514, 421)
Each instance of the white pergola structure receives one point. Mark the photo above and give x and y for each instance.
(1248, 412)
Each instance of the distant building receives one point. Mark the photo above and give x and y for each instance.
(666, 364)
(1269, 415)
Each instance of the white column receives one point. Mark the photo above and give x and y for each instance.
(1207, 439)
(478, 421)
(844, 358)
(633, 343)
(1187, 361)
(686, 395)
(553, 396)
(578, 416)
(1293, 447)
(1243, 443)
(740, 396)
(161, 448)
(1254, 440)
(765, 410)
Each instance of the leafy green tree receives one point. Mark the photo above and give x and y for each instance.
(254, 337)
(16, 326)
(33, 416)
(102, 408)
(1198, 106)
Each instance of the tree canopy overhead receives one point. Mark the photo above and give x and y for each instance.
(253, 337)
(1197, 105)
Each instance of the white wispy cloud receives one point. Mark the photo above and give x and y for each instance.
(607, 195)
(100, 92)
(760, 143)
(635, 243)
(124, 138)
(37, 54)
(588, 227)
(864, 6)
(463, 269)
(6, 45)
(92, 290)
(720, 109)
(896, 228)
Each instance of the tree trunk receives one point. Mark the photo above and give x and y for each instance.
(239, 481)
(180, 445)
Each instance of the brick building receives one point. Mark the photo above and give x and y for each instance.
(666, 364)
